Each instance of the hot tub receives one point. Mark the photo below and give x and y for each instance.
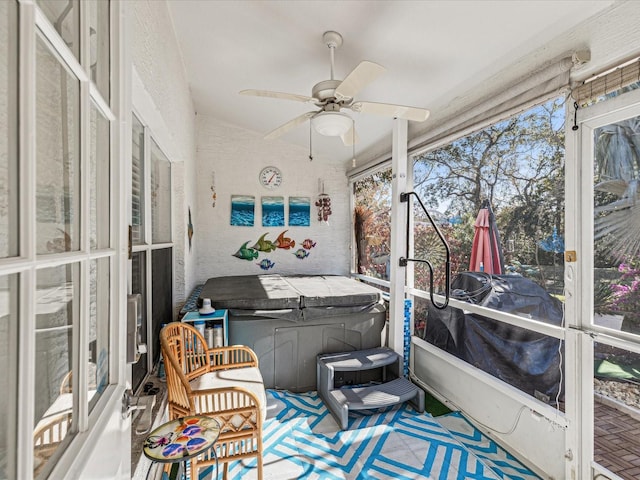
(289, 319)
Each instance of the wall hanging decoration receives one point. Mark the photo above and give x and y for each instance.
(264, 245)
(246, 253)
(285, 242)
(299, 211)
(266, 264)
(214, 195)
(308, 244)
(242, 210)
(323, 203)
(273, 211)
(189, 229)
(301, 254)
(324, 207)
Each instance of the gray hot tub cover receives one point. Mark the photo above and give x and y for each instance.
(295, 297)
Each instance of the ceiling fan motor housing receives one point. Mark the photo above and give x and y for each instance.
(332, 39)
(325, 90)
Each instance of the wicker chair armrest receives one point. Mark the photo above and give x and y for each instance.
(235, 408)
(235, 356)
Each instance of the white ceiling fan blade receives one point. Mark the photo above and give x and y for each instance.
(397, 111)
(282, 129)
(283, 96)
(350, 138)
(365, 73)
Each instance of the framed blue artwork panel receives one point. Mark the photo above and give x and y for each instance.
(273, 211)
(242, 210)
(299, 211)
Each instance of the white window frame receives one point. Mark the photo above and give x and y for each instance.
(33, 24)
(147, 246)
(579, 278)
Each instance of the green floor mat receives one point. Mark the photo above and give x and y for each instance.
(604, 368)
(433, 406)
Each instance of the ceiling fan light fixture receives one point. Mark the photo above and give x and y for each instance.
(332, 124)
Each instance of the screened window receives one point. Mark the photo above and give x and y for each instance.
(497, 195)
(372, 223)
(616, 247)
(515, 168)
(151, 261)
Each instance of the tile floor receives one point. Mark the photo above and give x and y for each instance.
(302, 440)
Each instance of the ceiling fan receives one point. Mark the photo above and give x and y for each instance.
(331, 96)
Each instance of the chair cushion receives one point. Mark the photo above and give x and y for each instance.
(249, 378)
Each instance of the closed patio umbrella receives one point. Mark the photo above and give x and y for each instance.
(486, 252)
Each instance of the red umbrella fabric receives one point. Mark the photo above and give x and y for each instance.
(486, 254)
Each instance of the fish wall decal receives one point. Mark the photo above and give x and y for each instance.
(301, 254)
(246, 253)
(266, 264)
(263, 245)
(190, 229)
(284, 242)
(308, 244)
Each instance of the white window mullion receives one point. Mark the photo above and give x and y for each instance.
(81, 355)
(27, 128)
(27, 240)
(172, 213)
(102, 106)
(159, 246)
(398, 235)
(26, 373)
(148, 239)
(120, 187)
(81, 321)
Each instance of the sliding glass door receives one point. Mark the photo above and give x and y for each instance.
(605, 212)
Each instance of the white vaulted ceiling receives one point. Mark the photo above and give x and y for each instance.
(439, 55)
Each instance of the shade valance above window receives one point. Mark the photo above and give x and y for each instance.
(535, 87)
(607, 82)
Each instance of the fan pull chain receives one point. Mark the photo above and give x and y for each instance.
(310, 142)
(353, 142)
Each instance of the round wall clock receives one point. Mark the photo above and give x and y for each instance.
(270, 177)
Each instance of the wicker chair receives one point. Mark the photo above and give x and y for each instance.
(223, 383)
(48, 436)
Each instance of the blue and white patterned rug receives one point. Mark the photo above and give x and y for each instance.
(303, 441)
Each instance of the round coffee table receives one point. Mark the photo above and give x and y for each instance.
(181, 439)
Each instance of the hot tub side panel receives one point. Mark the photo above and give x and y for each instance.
(287, 350)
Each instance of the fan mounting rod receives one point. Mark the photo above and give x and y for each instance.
(333, 40)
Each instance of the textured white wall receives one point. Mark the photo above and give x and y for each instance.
(162, 97)
(236, 156)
